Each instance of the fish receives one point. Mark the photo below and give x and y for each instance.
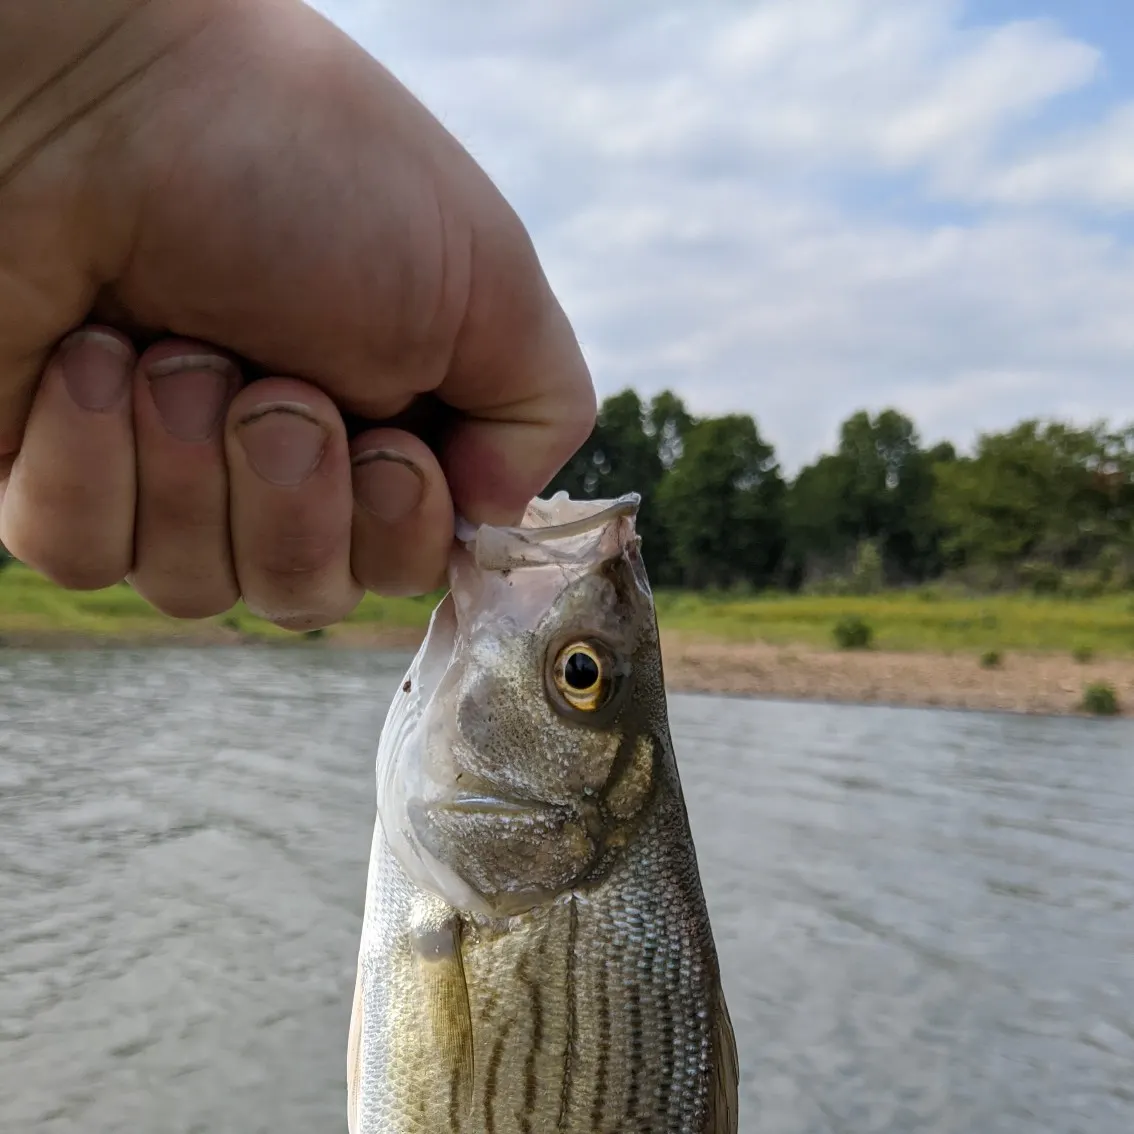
(536, 954)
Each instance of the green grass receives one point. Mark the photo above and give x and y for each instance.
(1101, 699)
(925, 620)
(29, 604)
(913, 620)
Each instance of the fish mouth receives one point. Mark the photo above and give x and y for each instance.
(558, 517)
(555, 532)
(481, 803)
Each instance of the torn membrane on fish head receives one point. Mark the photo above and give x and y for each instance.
(529, 752)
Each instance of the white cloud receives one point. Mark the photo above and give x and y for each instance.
(1094, 168)
(796, 207)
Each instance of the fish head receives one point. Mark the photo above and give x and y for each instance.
(522, 749)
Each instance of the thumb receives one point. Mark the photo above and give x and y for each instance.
(522, 387)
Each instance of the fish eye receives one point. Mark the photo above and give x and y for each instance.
(582, 676)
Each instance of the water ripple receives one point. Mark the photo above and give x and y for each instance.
(924, 918)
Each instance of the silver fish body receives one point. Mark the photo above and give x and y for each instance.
(536, 953)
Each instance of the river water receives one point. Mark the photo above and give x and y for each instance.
(925, 919)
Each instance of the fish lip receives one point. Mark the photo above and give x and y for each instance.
(622, 506)
(485, 803)
(559, 532)
(626, 505)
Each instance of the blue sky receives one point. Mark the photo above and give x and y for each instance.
(797, 208)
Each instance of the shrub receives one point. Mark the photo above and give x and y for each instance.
(991, 659)
(1041, 578)
(867, 577)
(852, 633)
(1100, 699)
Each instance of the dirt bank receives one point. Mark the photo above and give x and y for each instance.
(1023, 683)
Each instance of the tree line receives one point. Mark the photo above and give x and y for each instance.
(1044, 504)
(1038, 505)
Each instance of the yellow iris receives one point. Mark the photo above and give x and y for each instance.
(581, 676)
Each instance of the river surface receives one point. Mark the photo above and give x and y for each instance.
(925, 919)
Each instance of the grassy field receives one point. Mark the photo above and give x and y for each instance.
(29, 605)
(925, 620)
(928, 620)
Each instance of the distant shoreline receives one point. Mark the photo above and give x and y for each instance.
(1047, 683)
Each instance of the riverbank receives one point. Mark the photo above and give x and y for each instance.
(1048, 683)
(1004, 653)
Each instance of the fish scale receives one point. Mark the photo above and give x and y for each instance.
(596, 1007)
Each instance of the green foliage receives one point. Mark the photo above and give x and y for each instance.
(722, 506)
(630, 450)
(712, 494)
(1043, 507)
(853, 633)
(1040, 578)
(991, 659)
(876, 488)
(867, 575)
(1100, 699)
(1039, 498)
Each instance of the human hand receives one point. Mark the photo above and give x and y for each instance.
(258, 230)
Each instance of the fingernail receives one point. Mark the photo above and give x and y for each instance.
(283, 441)
(96, 368)
(190, 392)
(387, 484)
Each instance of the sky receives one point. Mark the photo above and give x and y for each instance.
(799, 208)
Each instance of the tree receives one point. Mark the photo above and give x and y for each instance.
(1039, 491)
(821, 529)
(891, 490)
(668, 423)
(878, 488)
(723, 505)
(629, 450)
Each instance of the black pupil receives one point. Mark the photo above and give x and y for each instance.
(581, 671)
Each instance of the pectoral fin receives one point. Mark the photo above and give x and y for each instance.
(436, 944)
(724, 1088)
